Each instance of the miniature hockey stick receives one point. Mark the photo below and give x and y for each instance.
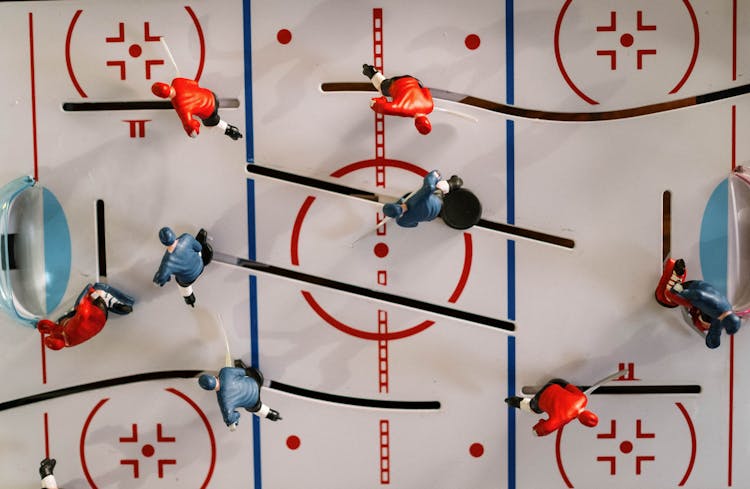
(603, 381)
(228, 358)
(456, 113)
(531, 390)
(169, 53)
(380, 223)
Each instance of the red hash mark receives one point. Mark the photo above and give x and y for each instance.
(147, 450)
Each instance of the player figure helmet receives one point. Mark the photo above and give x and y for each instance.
(423, 124)
(166, 236)
(207, 382)
(587, 418)
(161, 90)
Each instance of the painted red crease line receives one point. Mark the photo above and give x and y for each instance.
(558, 457)
(33, 96)
(201, 40)
(298, 228)
(404, 165)
(696, 43)
(692, 443)
(206, 423)
(558, 58)
(67, 54)
(468, 254)
(365, 335)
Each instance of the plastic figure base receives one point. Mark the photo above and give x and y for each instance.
(674, 271)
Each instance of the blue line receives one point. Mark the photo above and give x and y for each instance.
(249, 137)
(251, 243)
(251, 238)
(511, 219)
(510, 171)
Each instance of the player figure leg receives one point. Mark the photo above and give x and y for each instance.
(186, 291)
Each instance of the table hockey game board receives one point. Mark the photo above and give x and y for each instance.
(604, 137)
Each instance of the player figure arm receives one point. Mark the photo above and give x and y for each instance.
(162, 275)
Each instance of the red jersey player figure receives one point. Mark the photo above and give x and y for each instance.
(710, 311)
(87, 318)
(562, 401)
(409, 97)
(189, 99)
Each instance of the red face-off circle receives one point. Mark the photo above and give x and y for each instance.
(135, 50)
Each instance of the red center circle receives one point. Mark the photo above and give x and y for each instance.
(147, 450)
(626, 40)
(284, 36)
(381, 250)
(293, 442)
(626, 447)
(476, 450)
(472, 41)
(135, 50)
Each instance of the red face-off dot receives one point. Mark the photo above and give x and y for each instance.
(284, 36)
(135, 50)
(293, 442)
(147, 450)
(472, 41)
(626, 447)
(476, 450)
(626, 40)
(381, 250)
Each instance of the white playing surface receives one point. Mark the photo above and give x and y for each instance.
(578, 313)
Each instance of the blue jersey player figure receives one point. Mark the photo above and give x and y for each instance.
(184, 258)
(709, 309)
(46, 467)
(238, 387)
(423, 205)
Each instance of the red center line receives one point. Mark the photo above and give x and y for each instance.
(734, 41)
(44, 360)
(33, 95)
(46, 436)
(731, 338)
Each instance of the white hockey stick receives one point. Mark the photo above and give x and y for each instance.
(456, 113)
(380, 223)
(228, 358)
(532, 390)
(603, 381)
(169, 53)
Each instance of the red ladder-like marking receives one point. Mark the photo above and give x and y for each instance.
(382, 352)
(385, 455)
(377, 52)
